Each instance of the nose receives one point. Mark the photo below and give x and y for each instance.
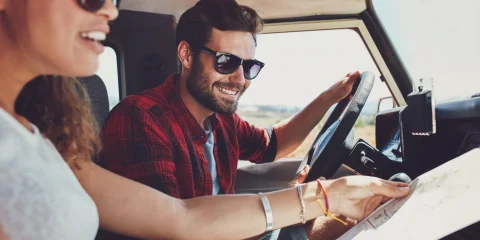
(109, 10)
(238, 77)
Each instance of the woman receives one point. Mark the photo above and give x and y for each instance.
(47, 195)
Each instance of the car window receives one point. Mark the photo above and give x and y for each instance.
(436, 39)
(298, 67)
(108, 72)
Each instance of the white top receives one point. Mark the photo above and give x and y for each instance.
(40, 197)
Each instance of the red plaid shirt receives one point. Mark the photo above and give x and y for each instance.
(153, 138)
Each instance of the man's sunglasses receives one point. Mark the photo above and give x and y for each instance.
(226, 63)
(95, 5)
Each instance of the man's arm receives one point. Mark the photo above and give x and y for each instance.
(137, 148)
(292, 132)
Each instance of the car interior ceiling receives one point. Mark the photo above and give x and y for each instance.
(145, 46)
(267, 10)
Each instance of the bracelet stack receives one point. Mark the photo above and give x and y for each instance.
(326, 207)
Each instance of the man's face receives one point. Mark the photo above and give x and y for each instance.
(218, 92)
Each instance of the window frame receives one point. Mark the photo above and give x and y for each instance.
(122, 82)
(353, 24)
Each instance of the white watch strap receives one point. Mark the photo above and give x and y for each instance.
(268, 212)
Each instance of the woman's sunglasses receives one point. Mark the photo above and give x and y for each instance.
(95, 5)
(226, 63)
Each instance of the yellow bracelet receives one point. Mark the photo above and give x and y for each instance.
(329, 215)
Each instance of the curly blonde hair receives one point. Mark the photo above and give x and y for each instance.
(60, 108)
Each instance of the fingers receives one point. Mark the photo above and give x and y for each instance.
(353, 77)
(302, 175)
(397, 184)
(390, 189)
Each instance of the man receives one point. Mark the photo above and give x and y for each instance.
(184, 137)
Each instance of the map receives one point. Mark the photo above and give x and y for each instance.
(442, 201)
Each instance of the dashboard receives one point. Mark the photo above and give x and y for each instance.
(458, 131)
(396, 150)
(387, 157)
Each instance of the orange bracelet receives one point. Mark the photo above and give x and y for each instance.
(324, 193)
(326, 209)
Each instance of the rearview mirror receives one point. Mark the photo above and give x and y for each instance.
(385, 103)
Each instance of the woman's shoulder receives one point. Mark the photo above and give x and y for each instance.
(11, 141)
(38, 191)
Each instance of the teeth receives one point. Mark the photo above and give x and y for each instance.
(97, 36)
(229, 92)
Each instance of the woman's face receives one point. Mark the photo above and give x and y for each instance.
(54, 37)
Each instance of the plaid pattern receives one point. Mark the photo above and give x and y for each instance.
(153, 138)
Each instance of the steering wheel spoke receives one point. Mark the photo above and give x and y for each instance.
(329, 148)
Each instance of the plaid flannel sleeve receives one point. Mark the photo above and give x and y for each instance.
(136, 147)
(256, 145)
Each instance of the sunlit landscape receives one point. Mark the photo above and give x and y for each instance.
(266, 116)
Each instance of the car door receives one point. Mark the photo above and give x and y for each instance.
(303, 59)
(437, 41)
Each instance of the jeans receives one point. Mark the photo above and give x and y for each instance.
(287, 233)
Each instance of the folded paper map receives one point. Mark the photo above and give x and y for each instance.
(443, 201)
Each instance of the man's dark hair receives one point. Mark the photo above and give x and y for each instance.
(196, 24)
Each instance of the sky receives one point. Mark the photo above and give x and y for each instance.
(299, 66)
(436, 39)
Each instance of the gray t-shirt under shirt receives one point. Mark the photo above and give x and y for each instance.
(208, 151)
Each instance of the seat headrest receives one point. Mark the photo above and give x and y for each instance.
(97, 91)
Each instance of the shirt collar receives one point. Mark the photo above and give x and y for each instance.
(177, 104)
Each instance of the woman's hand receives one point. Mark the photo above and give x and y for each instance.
(357, 196)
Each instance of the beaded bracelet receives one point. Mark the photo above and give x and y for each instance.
(302, 204)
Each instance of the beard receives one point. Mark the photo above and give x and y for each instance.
(198, 85)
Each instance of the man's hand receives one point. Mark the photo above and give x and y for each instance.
(342, 88)
(301, 177)
(357, 196)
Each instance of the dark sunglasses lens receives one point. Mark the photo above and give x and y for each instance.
(251, 69)
(92, 5)
(227, 64)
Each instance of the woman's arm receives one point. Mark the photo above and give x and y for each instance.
(133, 209)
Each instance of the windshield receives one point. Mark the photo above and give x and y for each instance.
(437, 39)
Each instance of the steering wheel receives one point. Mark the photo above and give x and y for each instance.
(325, 155)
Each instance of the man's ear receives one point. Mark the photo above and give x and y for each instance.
(185, 54)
